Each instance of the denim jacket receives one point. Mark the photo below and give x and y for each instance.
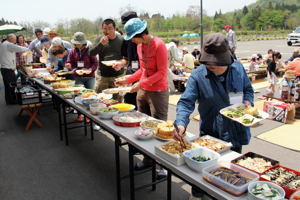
(206, 88)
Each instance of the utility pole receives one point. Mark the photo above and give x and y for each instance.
(201, 24)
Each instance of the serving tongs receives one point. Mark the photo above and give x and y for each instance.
(180, 138)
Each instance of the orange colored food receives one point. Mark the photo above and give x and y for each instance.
(88, 94)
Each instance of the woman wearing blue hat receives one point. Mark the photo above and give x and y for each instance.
(153, 95)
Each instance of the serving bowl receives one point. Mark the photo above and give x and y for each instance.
(203, 152)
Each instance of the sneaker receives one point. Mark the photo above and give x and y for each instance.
(161, 174)
(194, 198)
(79, 118)
(142, 165)
(69, 109)
(96, 127)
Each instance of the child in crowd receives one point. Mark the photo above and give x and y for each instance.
(253, 63)
(271, 71)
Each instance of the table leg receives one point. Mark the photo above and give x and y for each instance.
(92, 130)
(65, 124)
(32, 113)
(21, 111)
(131, 172)
(85, 126)
(36, 111)
(117, 159)
(169, 185)
(153, 175)
(59, 108)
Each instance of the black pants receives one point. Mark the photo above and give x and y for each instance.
(131, 99)
(9, 77)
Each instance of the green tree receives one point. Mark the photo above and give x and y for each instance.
(271, 19)
(248, 22)
(218, 24)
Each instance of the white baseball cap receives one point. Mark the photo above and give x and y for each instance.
(46, 31)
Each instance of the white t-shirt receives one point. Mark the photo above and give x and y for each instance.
(188, 61)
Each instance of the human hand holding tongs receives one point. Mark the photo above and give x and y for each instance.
(178, 135)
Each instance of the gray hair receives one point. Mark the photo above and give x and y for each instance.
(11, 35)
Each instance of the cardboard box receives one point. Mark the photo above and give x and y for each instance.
(277, 110)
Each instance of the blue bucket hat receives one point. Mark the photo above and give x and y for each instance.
(133, 27)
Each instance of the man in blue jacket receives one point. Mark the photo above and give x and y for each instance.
(219, 82)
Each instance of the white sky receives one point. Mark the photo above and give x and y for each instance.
(54, 10)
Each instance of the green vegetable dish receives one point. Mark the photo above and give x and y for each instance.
(265, 192)
(247, 121)
(234, 113)
(201, 158)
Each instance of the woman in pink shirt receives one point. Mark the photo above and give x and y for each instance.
(152, 88)
(153, 95)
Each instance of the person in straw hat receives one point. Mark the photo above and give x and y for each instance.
(81, 62)
(219, 82)
(83, 65)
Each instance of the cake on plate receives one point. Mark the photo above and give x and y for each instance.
(165, 130)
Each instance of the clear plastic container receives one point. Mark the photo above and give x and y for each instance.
(200, 151)
(226, 186)
(95, 107)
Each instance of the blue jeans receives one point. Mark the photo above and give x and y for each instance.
(88, 82)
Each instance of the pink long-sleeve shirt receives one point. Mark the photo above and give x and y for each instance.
(153, 59)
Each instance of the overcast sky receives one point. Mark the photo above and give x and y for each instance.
(55, 10)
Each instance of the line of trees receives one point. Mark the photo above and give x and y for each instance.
(262, 15)
(3, 21)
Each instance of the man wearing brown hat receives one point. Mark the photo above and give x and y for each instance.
(219, 82)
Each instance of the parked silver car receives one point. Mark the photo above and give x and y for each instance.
(294, 37)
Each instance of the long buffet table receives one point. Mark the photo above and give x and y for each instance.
(146, 147)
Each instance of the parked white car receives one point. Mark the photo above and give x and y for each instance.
(294, 37)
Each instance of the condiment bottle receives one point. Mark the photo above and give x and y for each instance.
(285, 90)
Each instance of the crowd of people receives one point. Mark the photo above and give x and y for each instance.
(146, 63)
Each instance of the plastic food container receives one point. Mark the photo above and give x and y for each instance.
(223, 185)
(95, 108)
(254, 155)
(288, 191)
(176, 159)
(200, 151)
(107, 115)
(216, 147)
(251, 185)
